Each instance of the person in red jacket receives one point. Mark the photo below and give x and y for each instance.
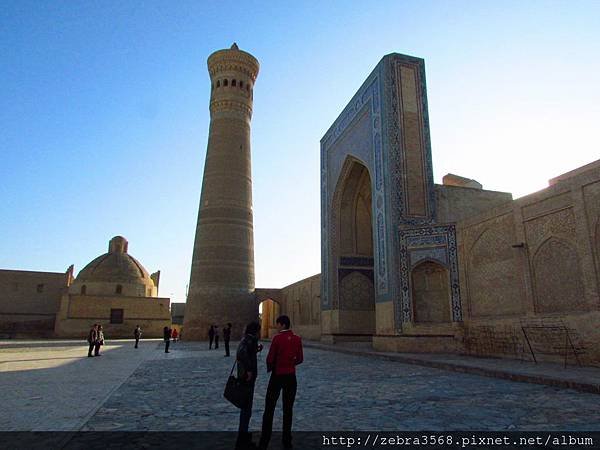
(284, 355)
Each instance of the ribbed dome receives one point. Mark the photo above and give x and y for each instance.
(114, 268)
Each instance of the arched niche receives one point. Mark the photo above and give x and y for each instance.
(356, 222)
(352, 239)
(431, 293)
(557, 277)
(492, 274)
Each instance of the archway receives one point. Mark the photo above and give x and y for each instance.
(268, 311)
(354, 251)
(431, 293)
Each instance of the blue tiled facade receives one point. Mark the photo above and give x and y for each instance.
(369, 131)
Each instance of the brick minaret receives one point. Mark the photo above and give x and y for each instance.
(222, 276)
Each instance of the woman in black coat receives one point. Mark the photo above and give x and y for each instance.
(246, 371)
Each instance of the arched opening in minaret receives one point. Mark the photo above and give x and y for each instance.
(268, 311)
(354, 235)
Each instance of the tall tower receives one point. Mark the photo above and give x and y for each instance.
(222, 275)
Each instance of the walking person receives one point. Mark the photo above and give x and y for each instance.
(211, 336)
(216, 337)
(167, 338)
(137, 334)
(174, 335)
(99, 341)
(284, 355)
(226, 338)
(92, 336)
(246, 371)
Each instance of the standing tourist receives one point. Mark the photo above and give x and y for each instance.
(226, 338)
(92, 335)
(211, 336)
(284, 355)
(246, 371)
(99, 341)
(167, 338)
(216, 337)
(137, 334)
(174, 334)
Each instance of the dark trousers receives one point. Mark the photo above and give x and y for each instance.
(226, 347)
(216, 342)
(210, 341)
(137, 341)
(246, 414)
(90, 349)
(167, 342)
(96, 349)
(278, 383)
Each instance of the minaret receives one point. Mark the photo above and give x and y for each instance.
(222, 276)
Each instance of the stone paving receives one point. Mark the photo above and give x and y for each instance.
(585, 379)
(182, 390)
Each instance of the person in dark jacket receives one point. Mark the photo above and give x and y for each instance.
(246, 371)
(211, 336)
(137, 334)
(167, 338)
(99, 340)
(92, 336)
(284, 355)
(227, 337)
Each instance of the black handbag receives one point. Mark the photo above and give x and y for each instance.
(237, 391)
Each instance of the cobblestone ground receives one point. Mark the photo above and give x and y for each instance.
(182, 391)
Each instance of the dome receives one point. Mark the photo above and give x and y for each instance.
(114, 273)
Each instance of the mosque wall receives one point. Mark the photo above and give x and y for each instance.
(456, 203)
(301, 301)
(29, 301)
(529, 274)
(453, 267)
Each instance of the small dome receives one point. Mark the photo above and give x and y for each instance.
(115, 272)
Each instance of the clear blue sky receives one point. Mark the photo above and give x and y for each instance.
(104, 114)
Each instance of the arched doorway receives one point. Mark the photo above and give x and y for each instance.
(268, 311)
(431, 293)
(354, 248)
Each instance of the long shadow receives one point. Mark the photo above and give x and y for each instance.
(10, 344)
(40, 359)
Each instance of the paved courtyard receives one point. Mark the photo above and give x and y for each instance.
(53, 386)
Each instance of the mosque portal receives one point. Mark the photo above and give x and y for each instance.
(354, 239)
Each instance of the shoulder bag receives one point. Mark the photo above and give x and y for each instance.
(237, 391)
